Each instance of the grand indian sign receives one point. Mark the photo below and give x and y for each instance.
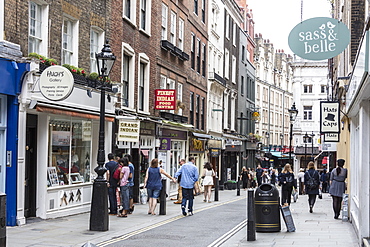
(56, 83)
(319, 38)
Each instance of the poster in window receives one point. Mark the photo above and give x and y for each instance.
(61, 138)
(53, 176)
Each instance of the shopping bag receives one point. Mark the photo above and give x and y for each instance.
(320, 194)
(295, 196)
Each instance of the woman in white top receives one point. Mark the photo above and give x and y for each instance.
(207, 176)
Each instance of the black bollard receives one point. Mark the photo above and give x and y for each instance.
(238, 188)
(251, 225)
(162, 199)
(216, 189)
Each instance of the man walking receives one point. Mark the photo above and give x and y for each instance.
(111, 166)
(259, 172)
(179, 190)
(189, 175)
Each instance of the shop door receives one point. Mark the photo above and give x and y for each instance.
(30, 167)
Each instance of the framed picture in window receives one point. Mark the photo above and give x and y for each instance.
(75, 178)
(53, 176)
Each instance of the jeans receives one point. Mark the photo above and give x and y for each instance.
(125, 197)
(187, 195)
(112, 199)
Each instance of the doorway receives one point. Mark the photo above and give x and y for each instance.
(30, 167)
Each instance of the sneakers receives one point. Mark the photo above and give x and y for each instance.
(190, 213)
(183, 211)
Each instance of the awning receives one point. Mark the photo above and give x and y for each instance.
(324, 160)
(200, 135)
(145, 153)
(177, 124)
(71, 113)
(281, 155)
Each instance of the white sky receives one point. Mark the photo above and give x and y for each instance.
(274, 19)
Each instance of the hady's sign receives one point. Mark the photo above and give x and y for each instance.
(56, 83)
(319, 38)
(329, 117)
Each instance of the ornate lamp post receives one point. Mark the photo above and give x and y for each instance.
(99, 202)
(281, 149)
(312, 136)
(305, 140)
(293, 112)
(267, 134)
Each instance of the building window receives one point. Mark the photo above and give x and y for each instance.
(234, 34)
(197, 112)
(70, 42)
(196, 7)
(179, 96)
(233, 70)
(227, 63)
(129, 10)
(145, 13)
(242, 85)
(243, 53)
(203, 11)
(307, 88)
(191, 109)
(199, 47)
(96, 42)
(70, 151)
(202, 109)
(142, 78)
(164, 21)
(128, 78)
(204, 60)
(227, 28)
(192, 53)
(181, 34)
(125, 80)
(173, 28)
(307, 112)
(323, 88)
(34, 29)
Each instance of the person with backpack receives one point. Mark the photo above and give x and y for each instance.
(311, 184)
(287, 182)
(338, 186)
(111, 167)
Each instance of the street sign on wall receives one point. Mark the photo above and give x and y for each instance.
(329, 117)
(319, 38)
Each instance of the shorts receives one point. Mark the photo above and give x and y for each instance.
(131, 192)
(153, 193)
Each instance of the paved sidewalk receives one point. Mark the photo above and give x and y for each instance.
(312, 229)
(316, 229)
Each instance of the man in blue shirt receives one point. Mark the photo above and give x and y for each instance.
(189, 175)
(131, 183)
(112, 184)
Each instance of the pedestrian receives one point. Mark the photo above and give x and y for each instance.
(311, 184)
(273, 177)
(208, 174)
(179, 189)
(324, 181)
(111, 166)
(124, 177)
(338, 186)
(189, 175)
(265, 177)
(287, 182)
(259, 172)
(245, 178)
(253, 178)
(131, 183)
(153, 184)
(301, 181)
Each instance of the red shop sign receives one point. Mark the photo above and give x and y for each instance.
(165, 99)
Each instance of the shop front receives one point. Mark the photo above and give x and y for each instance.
(214, 153)
(58, 151)
(231, 159)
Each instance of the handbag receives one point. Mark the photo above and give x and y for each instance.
(320, 194)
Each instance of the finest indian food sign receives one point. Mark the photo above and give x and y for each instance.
(165, 99)
(319, 38)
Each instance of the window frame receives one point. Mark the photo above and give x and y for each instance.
(130, 53)
(307, 112)
(147, 16)
(74, 37)
(129, 13)
(99, 33)
(173, 27)
(164, 21)
(180, 42)
(143, 85)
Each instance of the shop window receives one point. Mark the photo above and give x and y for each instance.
(69, 151)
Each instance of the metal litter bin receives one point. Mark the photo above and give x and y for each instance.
(267, 211)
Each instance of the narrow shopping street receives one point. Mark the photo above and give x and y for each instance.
(219, 223)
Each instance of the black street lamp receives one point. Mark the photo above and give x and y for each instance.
(305, 140)
(281, 148)
(99, 202)
(312, 136)
(293, 112)
(267, 134)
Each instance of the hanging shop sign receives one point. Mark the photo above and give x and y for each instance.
(331, 137)
(329, 117)
(214, 152)
(56, 83)
(165, 99)
(128, 130)
(319, 38)
(165, 144)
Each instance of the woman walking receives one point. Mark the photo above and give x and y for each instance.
(287, 182)
(208, 175)
(311, 184)
(124, 176)
(153, 184)
(244, 177)
(338, 186)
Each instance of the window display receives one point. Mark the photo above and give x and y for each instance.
(69, 150)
